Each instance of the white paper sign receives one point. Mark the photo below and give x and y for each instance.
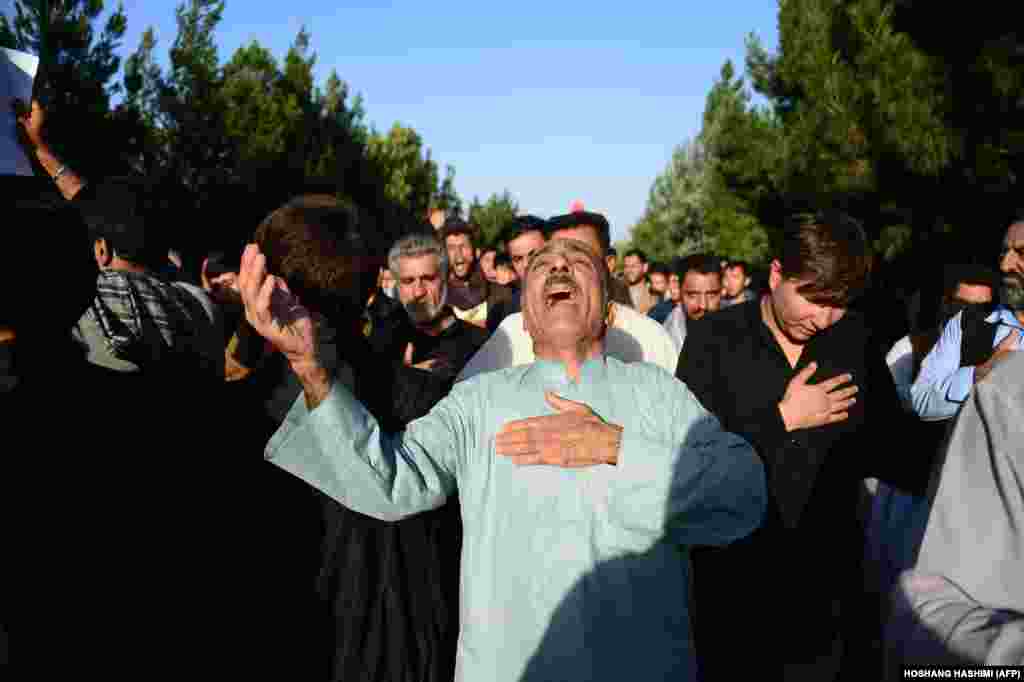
(17, 73)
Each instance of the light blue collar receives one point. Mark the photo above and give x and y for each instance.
(1003, 315)
(552, 373)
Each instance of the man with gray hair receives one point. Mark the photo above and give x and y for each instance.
(577, 520)
(426, 334)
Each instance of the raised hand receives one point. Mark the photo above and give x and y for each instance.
(31, 119)
(273, 311)
(573, 438)
(805, 406)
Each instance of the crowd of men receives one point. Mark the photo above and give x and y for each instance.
(525, 460)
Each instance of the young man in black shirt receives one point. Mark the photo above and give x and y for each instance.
(799, 377)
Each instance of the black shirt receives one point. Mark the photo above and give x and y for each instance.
(808, 544)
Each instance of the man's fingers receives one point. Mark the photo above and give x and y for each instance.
(843, 394)
(837, 417)
(248, 276)
(517, 449)
(835, 382)
(842, 405)
(263, 298)
(1010, 342)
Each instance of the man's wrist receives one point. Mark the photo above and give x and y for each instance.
(614, 435)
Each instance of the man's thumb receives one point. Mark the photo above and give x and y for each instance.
(804, 375)
(408, 354)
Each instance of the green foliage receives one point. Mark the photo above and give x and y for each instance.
(448, 200)
(408, 172)
(77, 63)
(492, 216)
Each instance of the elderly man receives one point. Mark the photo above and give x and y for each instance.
(424, 331)
(972, 344)
(632, 337)
(564, 567)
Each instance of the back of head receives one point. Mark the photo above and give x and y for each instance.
(327, 253)
(134, 216)
(46, 246)
(830, 253)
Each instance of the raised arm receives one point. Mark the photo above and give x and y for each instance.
(31, 122)
(329, 439)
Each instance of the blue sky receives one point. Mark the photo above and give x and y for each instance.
(555, 101)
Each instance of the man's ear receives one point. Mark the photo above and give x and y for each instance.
(775, 275)
(101, 251)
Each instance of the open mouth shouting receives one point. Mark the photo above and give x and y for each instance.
(560, 290)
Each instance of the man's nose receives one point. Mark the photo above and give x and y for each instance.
(559, 264)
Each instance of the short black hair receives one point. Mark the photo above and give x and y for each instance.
(132, 215)
(658, 268)
(700, 263)
(739, 264)
(638, 253)
(453, 226)
(503, 260)
(521, 225)
(579, 218)
(957, 274)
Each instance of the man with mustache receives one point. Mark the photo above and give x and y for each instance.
(576, 519)
(438, 341)
(974, 342)
(632, 337)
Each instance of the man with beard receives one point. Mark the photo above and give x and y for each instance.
(631, 337)
(635, 268)
(964, 355)
(576, 525)
(965, 286)
(700, 286)
(470, 294)
(437, 341)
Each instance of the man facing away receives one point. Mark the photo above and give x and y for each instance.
(577, 518)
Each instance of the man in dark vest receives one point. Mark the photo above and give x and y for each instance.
(974, 341)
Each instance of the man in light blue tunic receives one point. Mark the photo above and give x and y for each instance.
(583, 481)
